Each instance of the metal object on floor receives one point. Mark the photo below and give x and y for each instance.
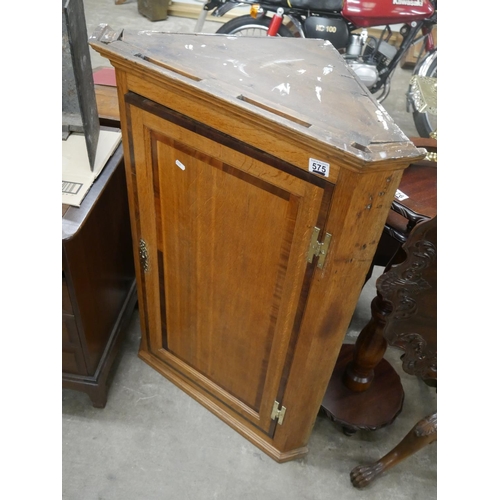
(201, 18)
(79, 107)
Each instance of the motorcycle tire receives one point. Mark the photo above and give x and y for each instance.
(248, 26)
(424, 123)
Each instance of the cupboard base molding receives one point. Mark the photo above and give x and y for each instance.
(228, 417)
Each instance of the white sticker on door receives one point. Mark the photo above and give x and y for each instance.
(319, 167)
(180, 165)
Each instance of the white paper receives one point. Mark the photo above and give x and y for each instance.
(400, 195)
(77, 175)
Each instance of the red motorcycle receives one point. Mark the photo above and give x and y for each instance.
(344, 23)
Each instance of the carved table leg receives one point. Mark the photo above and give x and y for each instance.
(424, 433)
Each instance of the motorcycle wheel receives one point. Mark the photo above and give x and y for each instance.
(426, 123)
(248, 26)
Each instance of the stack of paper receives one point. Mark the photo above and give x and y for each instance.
(77, 174)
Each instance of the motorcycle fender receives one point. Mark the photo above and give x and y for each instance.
(425, 63)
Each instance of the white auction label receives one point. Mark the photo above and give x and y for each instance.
(400, 195)
(319, 167)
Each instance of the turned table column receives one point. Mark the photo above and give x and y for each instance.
(365, 392)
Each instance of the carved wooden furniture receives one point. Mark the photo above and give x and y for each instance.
(405, 316)
(98, 281)
(419, 184)
(366, 394)
(260, 174)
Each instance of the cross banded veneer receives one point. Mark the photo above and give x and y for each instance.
(260, 174)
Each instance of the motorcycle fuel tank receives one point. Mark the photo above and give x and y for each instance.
(366, 13)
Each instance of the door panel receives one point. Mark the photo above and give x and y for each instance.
(222, 229)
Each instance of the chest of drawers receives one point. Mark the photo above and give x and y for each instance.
(98, 282)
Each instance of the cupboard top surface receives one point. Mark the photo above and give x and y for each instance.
(298, 84)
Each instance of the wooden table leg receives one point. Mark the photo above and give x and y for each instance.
(424, 433)
(369, 349)
(365, 392)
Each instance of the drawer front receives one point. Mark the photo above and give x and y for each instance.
(72, 362)
(66, 300)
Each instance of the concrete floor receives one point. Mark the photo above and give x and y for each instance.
(152, 441)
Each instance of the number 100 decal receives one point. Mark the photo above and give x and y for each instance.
(319, 167)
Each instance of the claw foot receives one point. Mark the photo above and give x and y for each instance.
(365, 474)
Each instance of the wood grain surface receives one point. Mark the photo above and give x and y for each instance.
(222, 197)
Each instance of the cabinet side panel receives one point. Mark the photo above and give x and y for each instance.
(101, 266)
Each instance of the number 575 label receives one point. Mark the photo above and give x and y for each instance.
(319, 167)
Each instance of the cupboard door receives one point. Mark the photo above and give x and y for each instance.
(227, 236)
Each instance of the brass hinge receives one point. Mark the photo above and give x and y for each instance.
(143, 255)
(278, 414)
(317, 248)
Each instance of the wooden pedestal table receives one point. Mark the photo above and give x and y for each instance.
(406, 308)
(260, 174)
